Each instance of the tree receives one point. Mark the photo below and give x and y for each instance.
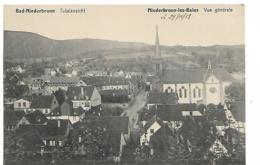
(60, 96)
(176, 149)
(143, 154)
(236, 91)
(94, 141)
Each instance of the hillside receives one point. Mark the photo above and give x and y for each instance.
(25, 46)
(30, 45)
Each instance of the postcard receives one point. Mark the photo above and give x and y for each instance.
(124, 84)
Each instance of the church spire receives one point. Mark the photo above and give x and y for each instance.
(157, 44)
(209, 64)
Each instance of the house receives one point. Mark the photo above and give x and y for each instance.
(45, 103)
(71, 72)
(18, 69)
(151, 127)
(116, 83)
(171, 114)
(96, 81)
(134, 75)
(235, 113)
(218, 117)
(199, 139)
(63, 83)
(84, 96)
(50, 72)
(23, 103)
(11, 119)
(107, 82)
(56, 133)
(68, 112)
(119, 73)
(161, 98)
(75, 72)
(36, 83)
(33, 118)
(116, 127)
(18, 91)
(96, 73)
(8, 99)
(118, 98)
(52, 135)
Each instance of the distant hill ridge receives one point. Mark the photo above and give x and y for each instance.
(31, 45)
(18, 44)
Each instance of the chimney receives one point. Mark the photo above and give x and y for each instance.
(58, 123)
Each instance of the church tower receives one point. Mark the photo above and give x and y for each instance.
(209, 65)
(157, 44)
(157, 59)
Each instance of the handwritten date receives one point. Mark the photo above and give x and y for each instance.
(176, 17)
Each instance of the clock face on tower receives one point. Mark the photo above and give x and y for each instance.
(212, 89)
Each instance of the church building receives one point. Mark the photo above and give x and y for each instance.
(192, 85)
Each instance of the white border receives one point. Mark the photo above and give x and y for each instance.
(252, 60)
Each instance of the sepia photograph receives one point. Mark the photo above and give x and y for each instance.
(124, 84)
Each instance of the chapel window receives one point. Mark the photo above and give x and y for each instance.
(185, 93)
(180, 93)
(194, 92)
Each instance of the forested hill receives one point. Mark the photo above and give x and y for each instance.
(24, 45)
(30, 45)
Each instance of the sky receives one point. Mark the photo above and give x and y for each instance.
(132, 23)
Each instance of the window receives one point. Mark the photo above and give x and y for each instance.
(169, 90)
(194, 92)
(152, 130)
(180, 93)
(46, 111)
(183, 92)
(199, 91)
(80, 138)
(19, 104)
